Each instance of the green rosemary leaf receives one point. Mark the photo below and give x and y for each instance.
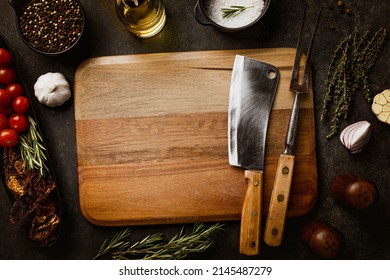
(41, 147)
(146, 243)
(37, 163)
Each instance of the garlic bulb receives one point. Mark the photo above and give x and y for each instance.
(381, 106)
(52, 89)
(356, 136)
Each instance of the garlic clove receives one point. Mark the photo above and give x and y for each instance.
(381, 106)
(380, 99)
(386, 94)
(383, 116)
(356, 136)
(377, 108)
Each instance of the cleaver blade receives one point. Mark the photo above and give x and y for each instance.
(252, 91)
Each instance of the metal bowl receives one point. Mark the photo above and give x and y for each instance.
(204, 15)
(18, 6)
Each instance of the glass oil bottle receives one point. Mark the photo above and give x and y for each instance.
(143, 18)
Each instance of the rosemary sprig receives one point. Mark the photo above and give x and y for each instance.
(117, 241)
(152, 247)
(347, 74)
(32, 149)
(232, 11)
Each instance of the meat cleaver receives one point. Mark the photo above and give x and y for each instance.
(252, 91)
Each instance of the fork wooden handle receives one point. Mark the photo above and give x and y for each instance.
(274, 227)
(251, 214)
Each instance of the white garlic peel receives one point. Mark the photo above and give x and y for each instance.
(381, 106)
(52, 89)
(356, 136)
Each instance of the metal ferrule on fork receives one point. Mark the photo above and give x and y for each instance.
(293, 126)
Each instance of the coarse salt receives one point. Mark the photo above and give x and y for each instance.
(246, 17)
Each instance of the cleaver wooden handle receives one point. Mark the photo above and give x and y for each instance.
(251, 214)
(274, 226)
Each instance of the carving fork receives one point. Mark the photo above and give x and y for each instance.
(276, 217)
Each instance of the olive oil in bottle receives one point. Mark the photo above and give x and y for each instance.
(143, 18)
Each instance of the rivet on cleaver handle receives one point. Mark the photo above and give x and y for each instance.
(252, 91)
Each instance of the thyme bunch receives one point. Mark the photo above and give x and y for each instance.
(347, 74)
(153, 247)
(32, 149)
(232, 11)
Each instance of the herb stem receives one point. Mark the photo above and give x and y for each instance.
(232, 11)
(117, 241)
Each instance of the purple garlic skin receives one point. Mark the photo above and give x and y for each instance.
(356, 136)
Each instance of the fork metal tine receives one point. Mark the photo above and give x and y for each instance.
(297, 88)
(309, 51)
(298, 54)
(294, 83)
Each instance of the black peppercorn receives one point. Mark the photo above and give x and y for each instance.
(51, 26)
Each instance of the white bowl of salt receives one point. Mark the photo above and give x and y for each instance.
(230, 15)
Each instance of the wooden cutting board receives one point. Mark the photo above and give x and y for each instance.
(151, 132)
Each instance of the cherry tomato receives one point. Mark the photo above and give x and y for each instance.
(18, 122)
(3, 121)
(8, 138)
(5, 57)
(7, 75)
(14, 90)
(4, 98)
(20, 104)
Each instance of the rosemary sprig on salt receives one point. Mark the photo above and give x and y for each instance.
(233, 11)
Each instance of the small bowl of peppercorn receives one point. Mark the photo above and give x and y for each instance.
(50, 27)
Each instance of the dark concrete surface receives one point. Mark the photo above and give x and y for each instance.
(367, 234)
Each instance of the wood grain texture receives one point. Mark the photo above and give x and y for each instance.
(151, 134)
(250, 228)
(276, 216)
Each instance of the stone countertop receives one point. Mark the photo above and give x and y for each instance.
(366, 233)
